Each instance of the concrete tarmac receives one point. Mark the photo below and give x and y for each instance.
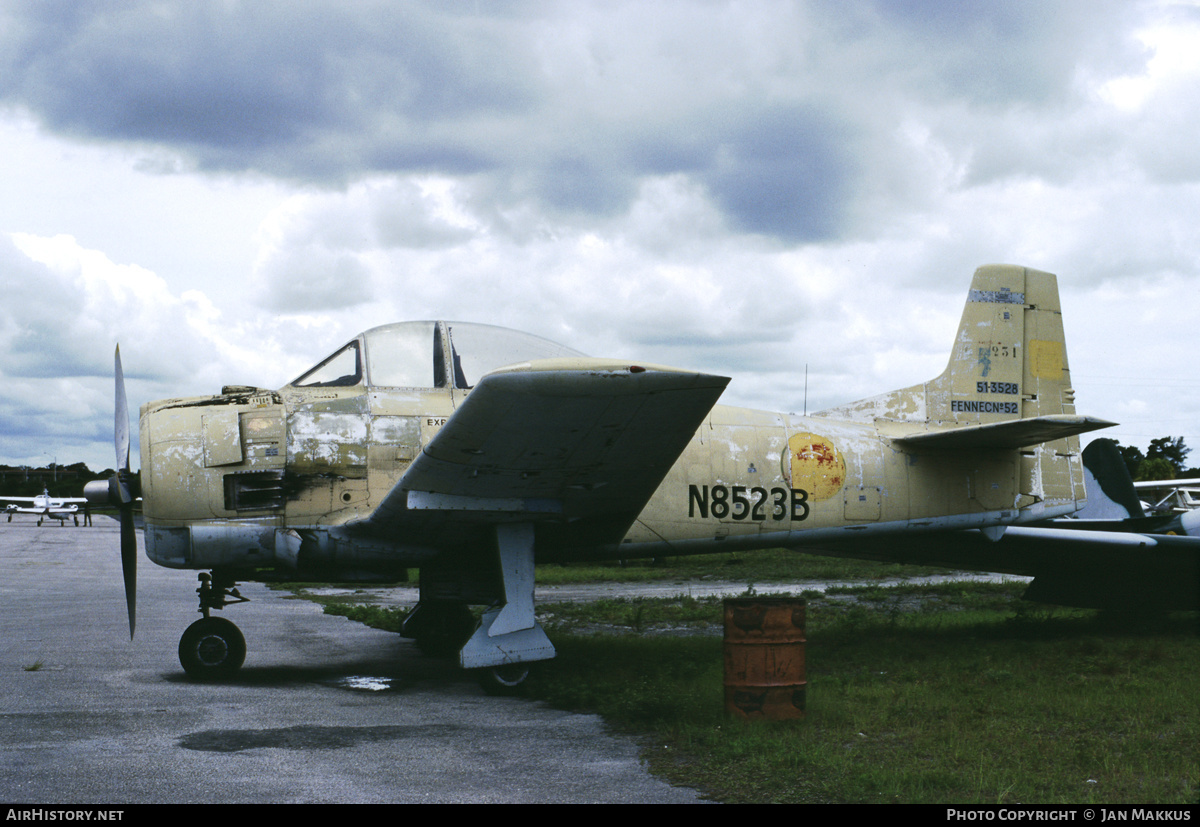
(324, 711)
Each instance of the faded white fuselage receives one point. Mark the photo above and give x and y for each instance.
(256, 478)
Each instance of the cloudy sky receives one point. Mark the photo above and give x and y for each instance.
(233, 189)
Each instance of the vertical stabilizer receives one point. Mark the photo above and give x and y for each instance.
(1010, 356)
(1008, 361)
(1003, 409)
(1111, 495)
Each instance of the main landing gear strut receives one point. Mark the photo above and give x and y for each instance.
(213, 648)
(509, 638)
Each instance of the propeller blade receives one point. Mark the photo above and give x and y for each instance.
(121, 427)
(121, 493)
(129, 564)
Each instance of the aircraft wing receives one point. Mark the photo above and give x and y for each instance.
(1070, 566)
(578, 445)
(55, 501)
(1154, 484)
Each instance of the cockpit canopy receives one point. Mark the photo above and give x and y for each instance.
(428, 355)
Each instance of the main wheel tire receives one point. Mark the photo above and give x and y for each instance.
(445, 630)
(503, 680)
(212, 648)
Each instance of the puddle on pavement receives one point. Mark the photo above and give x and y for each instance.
(364, 683)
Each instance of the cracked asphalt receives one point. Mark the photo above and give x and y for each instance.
(324, 711)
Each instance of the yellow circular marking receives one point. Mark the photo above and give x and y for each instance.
(816, 466)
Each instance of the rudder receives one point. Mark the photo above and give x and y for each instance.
(1009, 359)
(1002, 413)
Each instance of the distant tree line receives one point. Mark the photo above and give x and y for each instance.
(1165, 459)
(59, 480)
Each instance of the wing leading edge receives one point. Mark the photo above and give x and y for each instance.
(578, 442)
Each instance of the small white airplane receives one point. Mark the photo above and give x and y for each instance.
(45, 506)
(1170, 496)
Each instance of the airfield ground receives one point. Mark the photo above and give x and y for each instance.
(325, 709)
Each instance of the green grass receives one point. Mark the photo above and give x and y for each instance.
(951, 694)
(389, 619)
(954, 701)
(766, 566)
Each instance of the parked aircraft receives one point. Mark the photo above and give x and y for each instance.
(1113, 503)
(472, 452)
(44, 506)
(1171, 496)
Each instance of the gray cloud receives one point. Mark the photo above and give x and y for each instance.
(566, 105)
(740, 187)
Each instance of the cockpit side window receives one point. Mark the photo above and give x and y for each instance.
(405, 355)
(414, 355)
(341, 370)
(479, 349)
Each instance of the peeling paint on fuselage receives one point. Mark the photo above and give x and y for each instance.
(322, 457)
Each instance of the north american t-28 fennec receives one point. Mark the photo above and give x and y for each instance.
(473, 452)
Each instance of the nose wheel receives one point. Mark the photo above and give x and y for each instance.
(213, 648)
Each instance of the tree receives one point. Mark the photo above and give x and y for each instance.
(1164, 460)
(1133, 457)
(1170, 449)
(1156, 468)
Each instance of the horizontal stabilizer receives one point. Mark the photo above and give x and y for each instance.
(1016, 433)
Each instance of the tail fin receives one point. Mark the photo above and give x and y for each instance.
(1010, 354)
(1112, 498)
(1007, 384)
(1110, 491)
(1003, 411)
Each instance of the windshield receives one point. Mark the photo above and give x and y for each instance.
(342, 369)
(429, 355)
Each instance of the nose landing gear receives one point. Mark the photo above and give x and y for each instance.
(213, 648)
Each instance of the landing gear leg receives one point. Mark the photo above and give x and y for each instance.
(509, 637)
(213, 648)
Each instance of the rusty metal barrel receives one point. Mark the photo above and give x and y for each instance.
(764, 657)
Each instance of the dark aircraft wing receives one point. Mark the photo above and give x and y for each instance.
(1070, 566)
(578, 446)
